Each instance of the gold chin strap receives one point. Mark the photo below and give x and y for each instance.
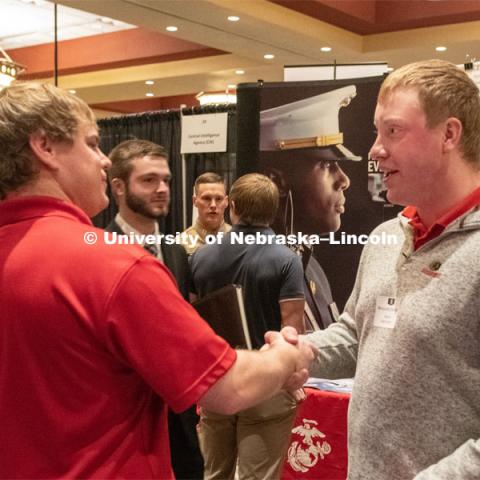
(322, 141)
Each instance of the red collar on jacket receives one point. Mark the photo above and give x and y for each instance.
(422, 234)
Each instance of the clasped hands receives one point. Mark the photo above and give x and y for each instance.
(305, 354)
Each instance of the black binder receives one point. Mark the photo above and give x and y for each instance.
(224, 311)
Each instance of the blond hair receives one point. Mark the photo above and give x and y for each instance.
(26, 108)
(444, 91)
(256, 199)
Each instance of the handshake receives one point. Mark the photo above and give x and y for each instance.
(281, 364)
(294, 350)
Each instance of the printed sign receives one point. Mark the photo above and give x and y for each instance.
(204, 133)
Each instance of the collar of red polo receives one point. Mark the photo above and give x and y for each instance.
(422, 234)
(18, 209)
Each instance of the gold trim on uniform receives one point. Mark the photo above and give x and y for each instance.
(321, 141)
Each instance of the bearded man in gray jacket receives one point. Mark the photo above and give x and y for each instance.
(410, 333)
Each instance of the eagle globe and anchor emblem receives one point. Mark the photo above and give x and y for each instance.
(305, 454)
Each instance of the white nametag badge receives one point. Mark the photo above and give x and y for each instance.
(385, 312)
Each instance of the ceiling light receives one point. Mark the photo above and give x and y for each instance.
(239, 72)
(39, 3)
(106, 20)
(149, 82)
(9, 70)
(149, 94)
(268, 56)
(326, 49)
(72, 91)
(440, 49)
(233, 18)
(171, 28)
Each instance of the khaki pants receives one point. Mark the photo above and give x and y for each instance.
(258, 437)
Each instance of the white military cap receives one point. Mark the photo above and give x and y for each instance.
(308, 123)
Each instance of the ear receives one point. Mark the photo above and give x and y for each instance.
(233, 215)
(452, 134)
(44, 149)
(278, 177)
(231, 208)
(118, 187)
(194, 200)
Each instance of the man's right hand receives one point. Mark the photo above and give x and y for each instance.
(305, 355)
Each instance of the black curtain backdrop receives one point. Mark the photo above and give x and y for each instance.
(164, 128)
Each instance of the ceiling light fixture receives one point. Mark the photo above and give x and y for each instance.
(239, 72)
(149, 82)
(268, 56)
(326, 49)
(149, 94)
(9, 70)
(171, 28)
(233, 18)
(440, 49)
(72, 91)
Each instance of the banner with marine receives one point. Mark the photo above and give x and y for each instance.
(312, 139)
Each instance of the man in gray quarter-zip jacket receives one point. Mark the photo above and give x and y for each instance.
(410, 332)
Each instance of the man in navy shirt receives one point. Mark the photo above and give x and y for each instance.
(271, 277)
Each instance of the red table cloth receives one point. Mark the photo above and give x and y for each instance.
(318, 445)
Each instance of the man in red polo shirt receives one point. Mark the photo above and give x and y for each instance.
(95, 339)
(410, 332)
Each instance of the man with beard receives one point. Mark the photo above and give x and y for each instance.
(140, 181)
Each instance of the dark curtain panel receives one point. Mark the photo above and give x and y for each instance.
(222, 163)
(164, 128)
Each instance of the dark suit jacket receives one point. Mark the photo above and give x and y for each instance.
(175, 259)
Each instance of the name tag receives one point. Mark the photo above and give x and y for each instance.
(385, 312)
